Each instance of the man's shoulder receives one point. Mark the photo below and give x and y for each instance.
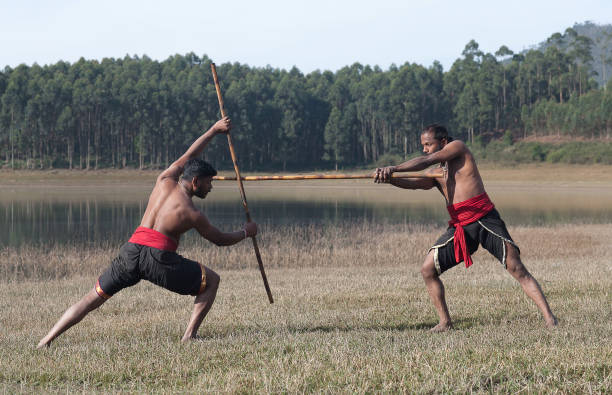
(459, 148)
(171, 173)
(164, 186)
(166, 177)
(457, 143)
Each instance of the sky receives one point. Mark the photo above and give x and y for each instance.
(311, 35)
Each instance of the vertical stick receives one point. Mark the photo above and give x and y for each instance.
(242, 194)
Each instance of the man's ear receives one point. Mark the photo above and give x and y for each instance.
(194, 181)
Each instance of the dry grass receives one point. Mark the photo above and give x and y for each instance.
(351, 315)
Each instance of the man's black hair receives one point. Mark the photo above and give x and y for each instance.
(438, 131)
(198, 168)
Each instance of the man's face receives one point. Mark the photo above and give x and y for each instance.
(201, 186)
(430, 144)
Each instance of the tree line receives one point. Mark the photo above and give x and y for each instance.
(138, 112)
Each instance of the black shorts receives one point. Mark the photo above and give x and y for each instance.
(167, 269)
(489, 231)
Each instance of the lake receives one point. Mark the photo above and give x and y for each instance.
(39, 214)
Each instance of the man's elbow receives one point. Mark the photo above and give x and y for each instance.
(430, 160)
(215, 240)
(419, 187)
(416, 184)
(223, 242)
(219, 243)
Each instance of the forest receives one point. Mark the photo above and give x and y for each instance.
(141, 113)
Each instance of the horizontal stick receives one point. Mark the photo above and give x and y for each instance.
(325, 177)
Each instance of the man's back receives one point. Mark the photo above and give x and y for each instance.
(170, 210)
(150, 253)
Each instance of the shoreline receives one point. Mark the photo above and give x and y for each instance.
(554, 173)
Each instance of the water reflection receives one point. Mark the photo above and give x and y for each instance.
(90, 215)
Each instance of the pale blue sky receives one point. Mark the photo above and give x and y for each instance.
(315, 34)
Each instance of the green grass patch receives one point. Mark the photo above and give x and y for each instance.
(583, 152)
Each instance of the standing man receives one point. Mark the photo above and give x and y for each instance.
(150, 252)
(474, 220)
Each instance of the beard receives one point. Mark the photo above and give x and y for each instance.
(200, 193)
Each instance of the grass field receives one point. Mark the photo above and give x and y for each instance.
(351, 314)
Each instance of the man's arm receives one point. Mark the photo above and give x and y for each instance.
(176, 169)
(215, 236)
(413, 183)
(450, 151)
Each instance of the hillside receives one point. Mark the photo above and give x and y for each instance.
(601, 47)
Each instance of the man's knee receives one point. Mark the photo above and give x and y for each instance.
(212, 279)
(428, 270)
(516, 268)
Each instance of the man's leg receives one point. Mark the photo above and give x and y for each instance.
(202, 304)
(73, 315)
(529, 284)
(435, 288)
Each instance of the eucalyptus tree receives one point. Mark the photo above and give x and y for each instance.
(488, 86)
(14, 102)
(579, 51)
(341, 130)
(461, 86)
(290, 97)
(606, 109)
(605, 42)
(405, 106)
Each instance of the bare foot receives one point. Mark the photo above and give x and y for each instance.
(42, 344)
(186, 339)
(551, 323)
(442, 327)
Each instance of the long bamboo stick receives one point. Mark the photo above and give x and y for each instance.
(324, 177)
(242, 194)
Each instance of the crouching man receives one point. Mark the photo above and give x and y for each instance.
(474, 219)
(150, 252)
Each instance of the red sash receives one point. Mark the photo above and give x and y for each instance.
(152, 238)
(464, 213)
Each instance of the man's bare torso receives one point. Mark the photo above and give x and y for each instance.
(170, 210)
(461, 179)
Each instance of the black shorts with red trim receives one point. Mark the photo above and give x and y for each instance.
(490, 232)
(167, 269)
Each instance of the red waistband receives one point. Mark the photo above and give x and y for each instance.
(152, 238)
(464, 213)
(470, 210)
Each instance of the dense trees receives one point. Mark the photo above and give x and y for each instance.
(143, 113)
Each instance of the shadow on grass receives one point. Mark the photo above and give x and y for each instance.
(419, 326)
(500, 319)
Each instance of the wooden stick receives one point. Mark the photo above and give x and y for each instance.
(242, 194)
(325, 177)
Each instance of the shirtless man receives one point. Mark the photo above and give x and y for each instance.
(150, 252)
(474, 219)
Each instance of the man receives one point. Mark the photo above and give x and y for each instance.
(150, 252)
(474, 219)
